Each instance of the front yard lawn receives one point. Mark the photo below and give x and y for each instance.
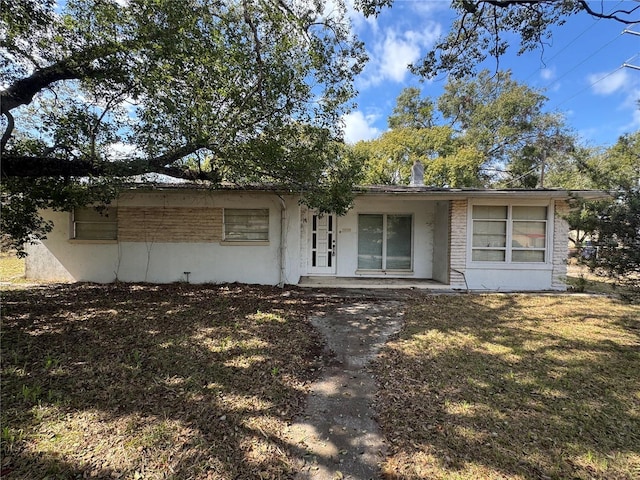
(513, 387)
(142, 381)
(202, 381)
(11, 268)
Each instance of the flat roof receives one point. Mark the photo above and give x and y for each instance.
(394, 190)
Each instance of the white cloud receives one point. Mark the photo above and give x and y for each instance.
(359, 127)
(548, 74)
(391, 55)
(429, 8)
(634, 124)
(121, 150)
(603, 84)
(396, 54)
(628, 85)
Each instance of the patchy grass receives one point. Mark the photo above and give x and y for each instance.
(581, 279)
(11, 268)
(513, 387)
(143, 381)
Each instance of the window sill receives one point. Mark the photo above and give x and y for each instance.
(510, 266)
(81, 241)
(247, 243)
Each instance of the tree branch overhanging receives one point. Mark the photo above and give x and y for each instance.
(620, 15)
(8, 131)
(27, 166)
(75, 67)
(33, 166)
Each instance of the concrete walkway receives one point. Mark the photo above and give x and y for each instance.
(338, 432)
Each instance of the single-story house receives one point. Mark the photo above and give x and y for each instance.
(466, 239)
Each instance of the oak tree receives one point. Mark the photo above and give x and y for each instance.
(613, 224)
(482, 131)
(97, 91)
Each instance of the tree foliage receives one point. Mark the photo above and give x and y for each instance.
(103, 90)
(485, 29)
(616, 231)
(487, 130)
(614, 224)
(618, 167)
(504, 120)
(390, 157)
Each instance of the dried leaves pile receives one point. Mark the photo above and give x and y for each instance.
(142, 381)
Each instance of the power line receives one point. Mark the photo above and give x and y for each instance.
(569, 44)
(572, 42)
(584, 61)
(597, 81)
(625, 64)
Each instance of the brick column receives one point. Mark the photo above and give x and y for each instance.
(560, 246)
(458, 242)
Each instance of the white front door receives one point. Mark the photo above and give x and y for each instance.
(322, 244)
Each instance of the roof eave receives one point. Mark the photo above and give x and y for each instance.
(462, 193)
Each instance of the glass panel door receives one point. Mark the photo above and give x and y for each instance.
(384, 242)
(398, 242)
(370, 228)
(322, 244)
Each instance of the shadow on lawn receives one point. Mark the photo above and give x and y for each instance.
(177, 381)
(502, 388)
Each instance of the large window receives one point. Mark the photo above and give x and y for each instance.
(384, 242)
(509, 233)
(246, 225)
(95, 224)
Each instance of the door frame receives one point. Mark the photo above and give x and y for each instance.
(323, 237)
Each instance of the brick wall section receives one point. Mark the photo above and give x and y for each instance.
(458, 242)
(560, 246)
(170, 224)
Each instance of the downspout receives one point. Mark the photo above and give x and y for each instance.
(283, 241)
(464, 277)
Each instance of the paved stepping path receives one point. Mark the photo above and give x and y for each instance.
(337, 434)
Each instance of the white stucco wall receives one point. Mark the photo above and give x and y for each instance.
(508, 280)
(440, 246)
(217, 262)
(423, 213)
(441, 243)
(42, 264)
(57, 258)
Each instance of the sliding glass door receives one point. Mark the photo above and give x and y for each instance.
(384, 242)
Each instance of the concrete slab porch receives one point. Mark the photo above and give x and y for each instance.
(368, 282)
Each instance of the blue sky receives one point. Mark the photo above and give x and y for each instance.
(580, 72)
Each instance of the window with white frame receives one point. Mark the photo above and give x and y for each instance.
(91, 223)
(384, 242)
(509, 233)
(246, 224)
